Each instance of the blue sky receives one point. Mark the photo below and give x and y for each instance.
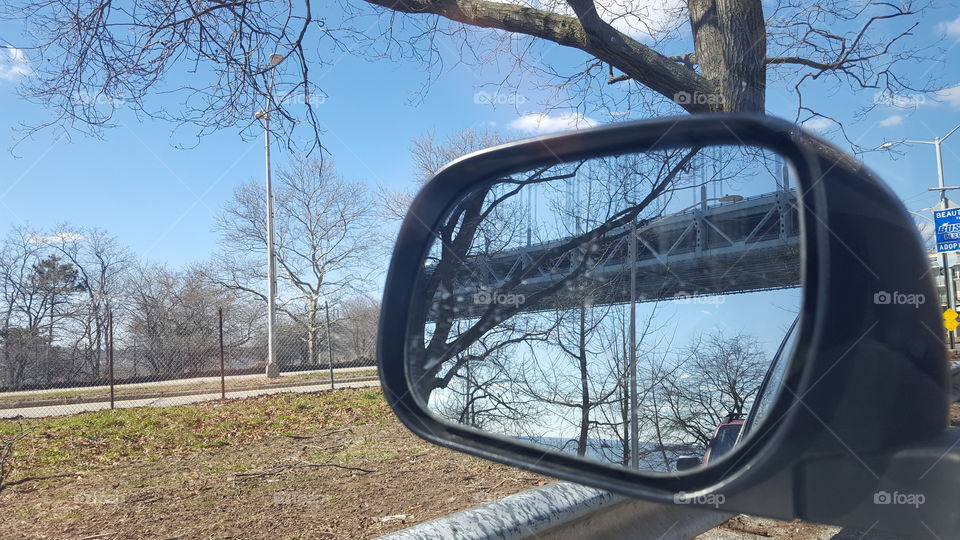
(161, 200)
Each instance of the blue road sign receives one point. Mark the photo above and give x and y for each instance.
(947, 223)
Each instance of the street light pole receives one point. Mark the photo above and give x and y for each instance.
(273, 369)
(944, 202)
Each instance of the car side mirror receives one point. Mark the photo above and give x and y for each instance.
(593, 305)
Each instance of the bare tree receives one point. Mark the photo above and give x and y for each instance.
(487, 385)
(462, 237)
(355, 332)
(325, 235)
(580, 389)
(20, 341)
(39, 292)
(718, 376)
(114, 56)
(430, 154)
(102, 264)
(171, 318)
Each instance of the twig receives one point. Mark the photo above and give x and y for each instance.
(281, 468)
(345, 467)
(327, 434)
(36, 478)
(495, 486)
(6, 456)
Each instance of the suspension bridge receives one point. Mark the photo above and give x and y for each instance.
(729, 248)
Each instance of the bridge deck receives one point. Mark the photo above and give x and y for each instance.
(724, 249)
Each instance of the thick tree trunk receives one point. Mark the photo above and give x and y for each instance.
(730, 41)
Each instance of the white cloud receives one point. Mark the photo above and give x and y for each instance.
(950, 96)
(817, 123)
(63, 237)
(889, 121)
(547, 123)
(951, 28)
(14, 65)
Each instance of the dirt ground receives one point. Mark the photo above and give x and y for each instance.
(352, 481)
(753, 527)
(328, 465)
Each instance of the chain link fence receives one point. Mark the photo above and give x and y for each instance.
(145, 357)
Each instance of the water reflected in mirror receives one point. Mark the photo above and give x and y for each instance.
(625, 309)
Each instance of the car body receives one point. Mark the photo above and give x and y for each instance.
(724, 438)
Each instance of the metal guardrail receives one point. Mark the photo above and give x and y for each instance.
(564, 510)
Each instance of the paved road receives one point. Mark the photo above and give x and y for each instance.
(58, 410)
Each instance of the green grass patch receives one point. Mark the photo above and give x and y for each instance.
(104, 437)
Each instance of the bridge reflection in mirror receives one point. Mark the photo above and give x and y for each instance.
(625, 309)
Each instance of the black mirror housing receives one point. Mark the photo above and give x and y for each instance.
(867, 389)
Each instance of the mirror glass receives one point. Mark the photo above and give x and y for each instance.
(625, 309)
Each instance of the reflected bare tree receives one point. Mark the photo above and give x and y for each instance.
(718, 376)
(464, 237)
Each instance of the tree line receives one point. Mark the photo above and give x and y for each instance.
(60, 288)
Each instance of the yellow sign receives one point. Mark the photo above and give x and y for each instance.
(950, 319)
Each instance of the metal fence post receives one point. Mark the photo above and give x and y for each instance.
(326, 306)
(110, 352)
(223, 383)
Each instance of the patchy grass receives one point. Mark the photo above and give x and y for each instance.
(335, 464)
(88, 439)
